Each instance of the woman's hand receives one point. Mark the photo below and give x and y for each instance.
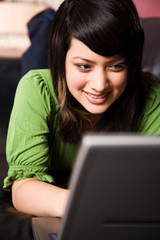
(39, 198)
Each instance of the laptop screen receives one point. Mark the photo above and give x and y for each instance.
(115, 189)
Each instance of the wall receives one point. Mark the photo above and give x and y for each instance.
(14, 17)
(148, 8)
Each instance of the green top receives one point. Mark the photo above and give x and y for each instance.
(34, 145)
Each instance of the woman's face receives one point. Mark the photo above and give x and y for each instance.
(93, 80)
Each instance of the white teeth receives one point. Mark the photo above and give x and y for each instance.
(96, 97)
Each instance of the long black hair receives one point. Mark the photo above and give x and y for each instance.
(107, 27)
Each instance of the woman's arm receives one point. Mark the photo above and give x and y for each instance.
(39, 198)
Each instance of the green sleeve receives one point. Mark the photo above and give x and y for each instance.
(150, 122)
(27, 146)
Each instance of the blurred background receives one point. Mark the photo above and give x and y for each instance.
(14, 16)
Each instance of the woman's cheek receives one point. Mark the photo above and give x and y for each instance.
(76, 80)
(119, 79)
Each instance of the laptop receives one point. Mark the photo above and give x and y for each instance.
(115, 191)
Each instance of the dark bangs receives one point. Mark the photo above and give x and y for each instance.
(106, 31)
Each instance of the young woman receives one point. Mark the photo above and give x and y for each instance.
(94, 84)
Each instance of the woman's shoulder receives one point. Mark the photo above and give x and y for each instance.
(153, 94)
(38, 82)
(151, 88)
(40, 78)
(150, 120)
(35, 92)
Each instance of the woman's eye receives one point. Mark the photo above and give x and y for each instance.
(117, 67)
(84, 66)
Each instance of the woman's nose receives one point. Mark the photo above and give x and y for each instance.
(99, 80)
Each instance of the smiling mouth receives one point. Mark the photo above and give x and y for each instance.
(96, 98)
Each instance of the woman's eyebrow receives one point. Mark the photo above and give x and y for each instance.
(84, 59)
(116, 59)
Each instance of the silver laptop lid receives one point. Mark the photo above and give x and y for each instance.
(115, 189)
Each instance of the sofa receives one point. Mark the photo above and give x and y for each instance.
(15, 225)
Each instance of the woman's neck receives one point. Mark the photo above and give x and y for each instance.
(91, 122)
